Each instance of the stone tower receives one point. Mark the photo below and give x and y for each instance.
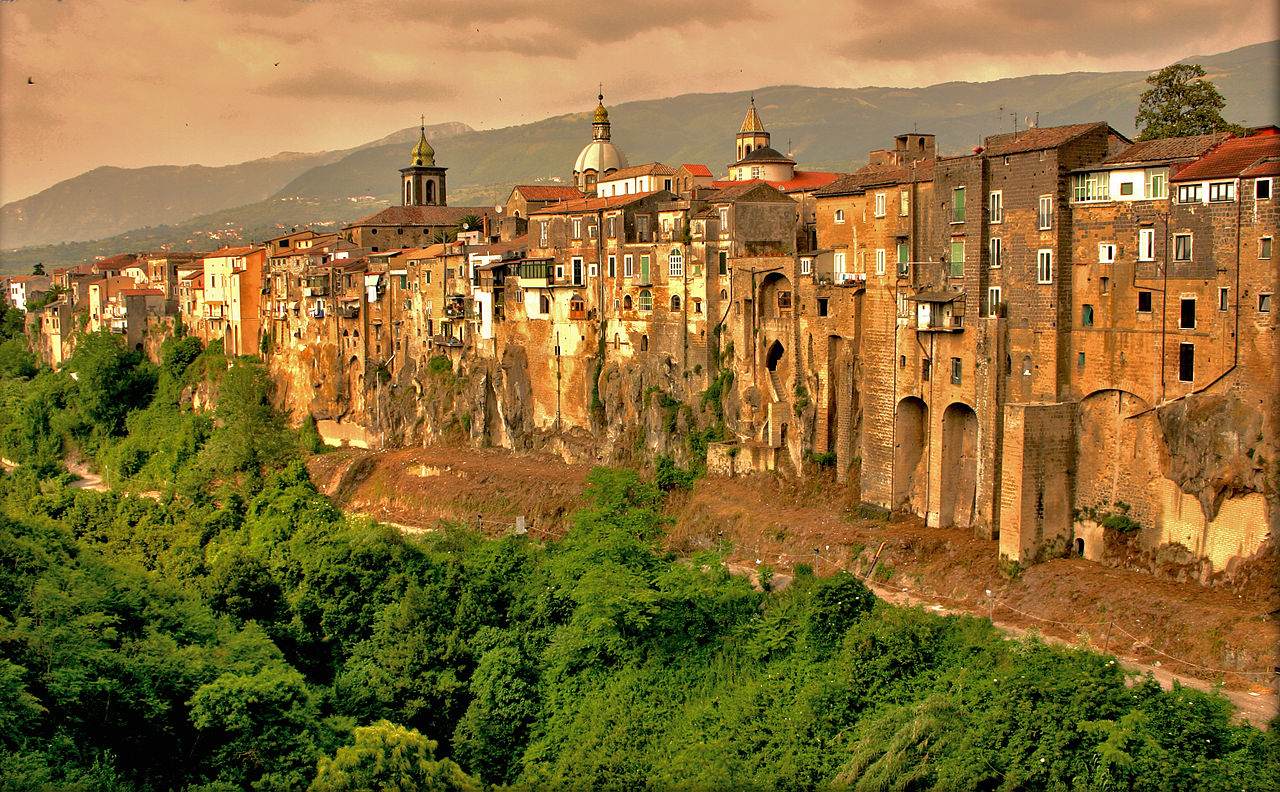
(422, 183)
(752, 135)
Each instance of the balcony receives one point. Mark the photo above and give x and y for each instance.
(317, 290)
(939, 312)
(535, 274)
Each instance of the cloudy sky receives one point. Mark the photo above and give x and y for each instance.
(85, 83)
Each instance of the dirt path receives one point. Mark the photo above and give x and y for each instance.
(87, 478)
(1193, 633)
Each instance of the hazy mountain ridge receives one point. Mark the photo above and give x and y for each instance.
(824, 128)
(109, 200)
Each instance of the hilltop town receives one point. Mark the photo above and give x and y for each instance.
(1060, 341)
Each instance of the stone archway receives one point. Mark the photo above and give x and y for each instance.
(959, 479)
(910, 457)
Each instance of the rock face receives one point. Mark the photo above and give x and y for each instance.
(1215, 449)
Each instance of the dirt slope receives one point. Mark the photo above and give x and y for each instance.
(1183, 629)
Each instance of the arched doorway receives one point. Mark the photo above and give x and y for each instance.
(959, 483)
(774, 355)
(910, 462)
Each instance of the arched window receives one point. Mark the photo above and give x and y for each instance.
(544, 304)
(644, 343)
(675, 303)
(626, 302)
(697, 306)
(646, 300)
(724, 295)
(675, 263)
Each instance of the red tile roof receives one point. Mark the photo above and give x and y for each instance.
(229, 251)
(548, 192)
(593, 204)
(422, 215)
(1037, 139)
(737, 190)
(806, 180)
(116, 262)
(1165, 150)
(870, 176)
(1267, 167)
(697, 170)
(1231, 158)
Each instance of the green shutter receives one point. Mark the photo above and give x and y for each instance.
(957, 259)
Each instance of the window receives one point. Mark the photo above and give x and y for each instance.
(880, 259)
(1104, 285)
(755, 171)
(675, 264)
(1090, 187)
(724, 219)
(559, 272)
(839, 266)
(628, 266)
(594, 269)
(1186, 362)
(1086, 315)
(822, 306)
(1144, 302)
(1126, 188)
(642, 227)
(1157, 183)
(839, 215)
(626, 302)
(924, 370)
(1223, 294)
(542, 234)
(1222, 191)
(724, 262)
(697, 306)
(995, 202)
(1080, 360)
(613, 265)
(1264, 303)
(806, 266)
(675, 303)
(577, 271)
(613, 227)
(1264, 247)
(1181, 247)
(1262, 190)
(544, 304)
(904, 203)
(577, 228)
(1044, 266)
(1188, 193)
(1187, 318)
(957, 205)
(995, 248)
(993, 300)
(880, 204)
(644, 268)
(592, 230)
(1146, 244)
(1045, 215)
(646, 300)
(904, 256)
(666, 226)
(1106, 253)
(957, 258)
(957, 369)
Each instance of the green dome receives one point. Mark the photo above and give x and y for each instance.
(423, 154)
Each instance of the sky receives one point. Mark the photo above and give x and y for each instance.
(130, 83)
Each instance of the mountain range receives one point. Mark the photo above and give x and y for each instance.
(110, 210)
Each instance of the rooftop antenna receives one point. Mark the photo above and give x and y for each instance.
(1014, 116)
(1000, 118)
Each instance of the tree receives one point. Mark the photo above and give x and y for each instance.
(1179, 103)
(38, 269)
(389, 756)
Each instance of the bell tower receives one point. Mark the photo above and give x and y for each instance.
(422, 183)
(752, 135)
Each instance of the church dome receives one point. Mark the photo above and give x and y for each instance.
(423, 154)
(600, 156)
(602, 115)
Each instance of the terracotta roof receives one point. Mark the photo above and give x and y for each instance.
(430, 251)
(805, 180)
(1165, 150)
(1037, 139)
(230, 252)
(651, 169)
(116, 262)
(1269, 166)
(870, 176)
(548, 192)
(696, 170)
(593, 204)
(740, 189)
(422, 215)
(1232, 158)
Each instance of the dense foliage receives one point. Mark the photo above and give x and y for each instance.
(233, 630)
(1181, 103)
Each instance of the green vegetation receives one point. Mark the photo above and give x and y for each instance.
(237, 632)
(1181, 103)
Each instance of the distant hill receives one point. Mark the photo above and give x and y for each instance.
(824, 129)
(107, 201)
